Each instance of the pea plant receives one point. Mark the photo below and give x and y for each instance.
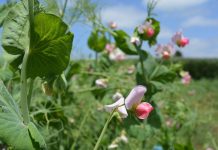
(40, 44)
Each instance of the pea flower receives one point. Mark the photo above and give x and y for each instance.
(113, 146)
(101, 83)
(186, 77)
(165, 51)
(113, 25)
(117, 55)
(146, 28)
(132, 102)
(180, 40)
(109, 47)
(135, 40)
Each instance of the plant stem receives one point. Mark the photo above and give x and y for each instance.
(30, 92)
(64, 8)
(142, 67)
(23, 101)
(103, 130)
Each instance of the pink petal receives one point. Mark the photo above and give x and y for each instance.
(142, 110)
(150, 32)
(183, 42)
(135, 96)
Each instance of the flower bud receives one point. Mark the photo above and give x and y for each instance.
(165, 55)
(180, 40)
(150, 32)
(183, 42)
(113, 25)
(101, 83)
(143, 109)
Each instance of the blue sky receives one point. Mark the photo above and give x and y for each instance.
(198, 20)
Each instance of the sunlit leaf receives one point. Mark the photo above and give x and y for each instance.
(12, 129)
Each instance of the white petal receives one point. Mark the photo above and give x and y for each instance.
(117, 96)
(135, 96)
(122, 111)
(111, 107)
(112, 146)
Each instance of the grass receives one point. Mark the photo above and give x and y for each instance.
(201, 99)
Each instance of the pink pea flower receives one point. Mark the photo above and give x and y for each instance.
(186, 78)
(180, 40)
(109, 47)
(165, 51)
(146, 28)
(135, 40)
(113, 25)
(101, 83)
(117, 55)
(132, 102)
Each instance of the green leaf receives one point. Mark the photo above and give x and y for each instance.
(15, 29)
(72, 69)
(36, 136)
(52, 44)
(4, 10)
(155, 74)
(12, 129)
(97, 41)
(155, 118)
(52, 7)
(123, 42)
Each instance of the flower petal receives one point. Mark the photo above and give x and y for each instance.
(111, 107)
(142, 110)
(122, 111)
(117, 96)
(135, 96)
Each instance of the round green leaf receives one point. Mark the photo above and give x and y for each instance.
(123, 42)
(97, 41)
(50, 52)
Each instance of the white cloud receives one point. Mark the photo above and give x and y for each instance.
(201, 48)
(175, 5)
(125, 16)
(200, 21)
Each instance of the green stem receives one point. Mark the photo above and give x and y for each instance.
(30, 92)
(23, 101)
(64, 8)
(96, 59)
(103, 130)
(142, 67)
